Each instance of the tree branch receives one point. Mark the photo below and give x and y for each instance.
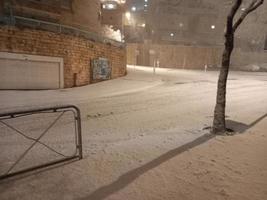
(253, 6)
(235, 8)
(230, 17)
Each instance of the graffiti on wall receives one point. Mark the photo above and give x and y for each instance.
(101, 69)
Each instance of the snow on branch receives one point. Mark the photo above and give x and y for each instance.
(253, 6)
(236, 6)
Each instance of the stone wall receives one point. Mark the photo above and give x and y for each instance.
(244, 58)
(187, 57)
(131, 54)
(174, 56)
(77, 52)
(190, 57)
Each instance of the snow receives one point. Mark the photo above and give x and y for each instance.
(143, 138)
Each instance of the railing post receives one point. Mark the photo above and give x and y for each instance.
(79, 127)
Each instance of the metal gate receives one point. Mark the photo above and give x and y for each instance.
(39, 138)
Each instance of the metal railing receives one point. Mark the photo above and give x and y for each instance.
(13, 143)
(57, 28)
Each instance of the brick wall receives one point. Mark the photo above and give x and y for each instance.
(76, 51)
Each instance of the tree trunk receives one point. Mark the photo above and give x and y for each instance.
(219, 112)
(219, 126)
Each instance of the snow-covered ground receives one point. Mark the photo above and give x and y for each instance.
(143, 138)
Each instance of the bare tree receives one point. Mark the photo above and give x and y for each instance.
(219, 126)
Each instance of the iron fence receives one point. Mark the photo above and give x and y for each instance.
(13, 20)
(28, 141)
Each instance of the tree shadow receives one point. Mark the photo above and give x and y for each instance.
(240, 127)
(130, 176)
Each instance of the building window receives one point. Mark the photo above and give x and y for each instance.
(66, 4)
(109, 6)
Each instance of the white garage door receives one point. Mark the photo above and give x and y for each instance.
(21, 71)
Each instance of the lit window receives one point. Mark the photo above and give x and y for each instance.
(109, 6)
(128, 15)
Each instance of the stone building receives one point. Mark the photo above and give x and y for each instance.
(49, 44)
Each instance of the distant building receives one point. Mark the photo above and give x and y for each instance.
(185, 22)
(190, 34)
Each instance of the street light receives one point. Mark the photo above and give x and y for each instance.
(128, 15)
